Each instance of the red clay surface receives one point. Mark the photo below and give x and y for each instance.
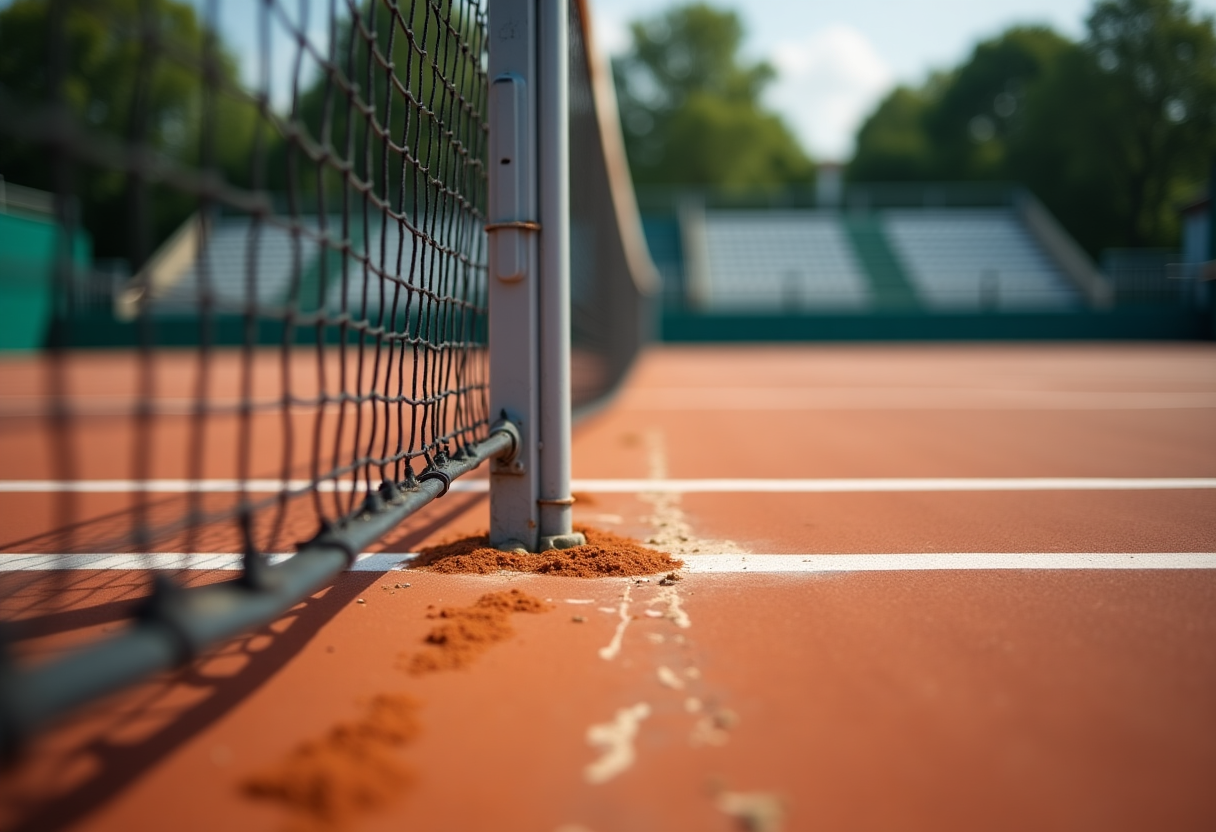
(943, 700)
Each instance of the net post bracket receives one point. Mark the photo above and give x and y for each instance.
(508, 458)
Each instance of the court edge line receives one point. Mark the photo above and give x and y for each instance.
(730, 398)
(698, 564)
(641, 486)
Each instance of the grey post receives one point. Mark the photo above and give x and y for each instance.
(529, 225)
(555, 501)
(514, 228)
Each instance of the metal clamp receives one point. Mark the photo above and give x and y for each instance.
(507, 427)
(520, 225)
(436, 474)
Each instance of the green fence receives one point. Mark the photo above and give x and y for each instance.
(29, 251)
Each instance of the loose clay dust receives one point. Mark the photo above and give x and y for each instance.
(604, 554)
(352, 770)
(467, 632)
(355, 768)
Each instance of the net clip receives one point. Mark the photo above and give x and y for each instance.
(390, 493)
(166, 608)
(330, 535)
(436, 472)
(255, 572)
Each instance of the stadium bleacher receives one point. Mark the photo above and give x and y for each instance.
(929, 256)
(229, 252)
(791, 260)
(968, 258)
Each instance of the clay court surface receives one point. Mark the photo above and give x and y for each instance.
(927, 588)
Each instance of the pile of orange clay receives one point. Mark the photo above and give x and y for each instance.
(603, 555)
(354, 768)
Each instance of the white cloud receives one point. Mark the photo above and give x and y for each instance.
(827, 83)
(611, 34)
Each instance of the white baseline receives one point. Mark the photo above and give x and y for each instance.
(698, 564)
(909, 398)
(641, 486)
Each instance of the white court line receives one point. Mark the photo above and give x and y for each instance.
(909, 398)
(224, 562)
(942, 561)
(733, 564)
(892, 484)
(643, 486)
(202, 486)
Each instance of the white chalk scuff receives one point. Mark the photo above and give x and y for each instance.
(615, 739)
(756, 811)
(669, 678)
(613, 649)
(675, 611)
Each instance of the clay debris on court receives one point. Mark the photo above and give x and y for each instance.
(603, 555)
(353, 769)
(971, 587)
(461, 634)
(356, 768)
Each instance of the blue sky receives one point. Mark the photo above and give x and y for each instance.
(836, 60)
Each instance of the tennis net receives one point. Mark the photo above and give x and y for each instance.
(299, 193)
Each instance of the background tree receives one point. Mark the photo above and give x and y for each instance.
(690, 107)
(958, 126)
(982, 106)
(1110, 132)
(1156, 88)
(892, 144)
(115, 88)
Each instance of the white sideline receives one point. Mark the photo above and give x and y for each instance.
(908, 398)
(226, 562)
(893, 484)
(941, 561)
(641, 486)
(731, 564)
(202, 486)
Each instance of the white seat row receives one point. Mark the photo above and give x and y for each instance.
(965, 258)
(792, 260)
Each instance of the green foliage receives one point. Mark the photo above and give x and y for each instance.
(357, 126)
(981, 108)
(690, 107)
(892, 145)
(117, 88)
(1109, 132)
(1157, 78)
(961, 123)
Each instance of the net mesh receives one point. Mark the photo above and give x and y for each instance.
(243, 247)
(306, 311)
(611, 273)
